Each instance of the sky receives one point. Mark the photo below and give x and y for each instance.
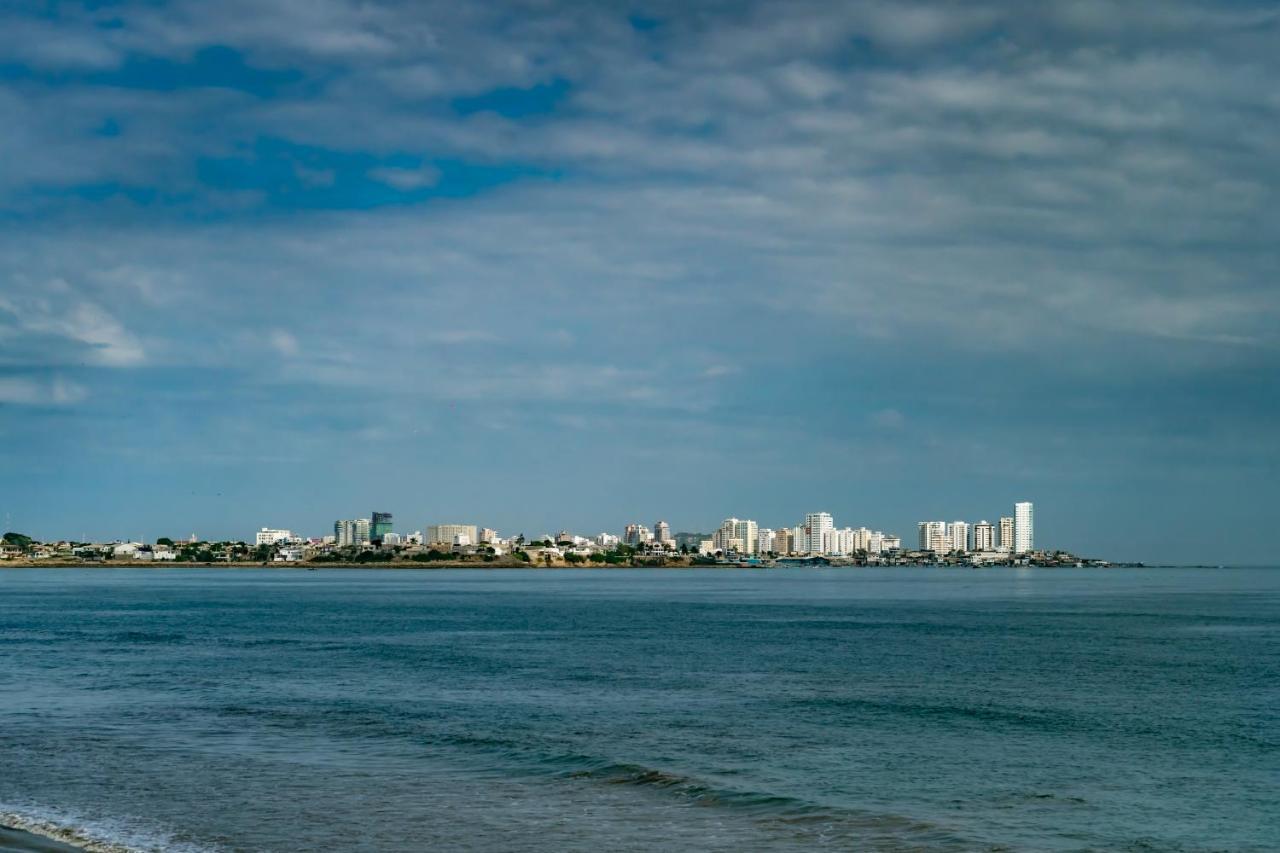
(556, 264)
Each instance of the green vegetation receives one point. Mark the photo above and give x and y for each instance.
(18, 540)
(165, 540)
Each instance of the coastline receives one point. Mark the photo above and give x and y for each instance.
(25, 836)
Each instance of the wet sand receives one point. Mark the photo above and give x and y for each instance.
(18, 841)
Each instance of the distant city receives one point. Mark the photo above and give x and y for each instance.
(1010, 540)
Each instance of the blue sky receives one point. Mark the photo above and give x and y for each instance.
(547, 265)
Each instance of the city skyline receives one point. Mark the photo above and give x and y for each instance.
(575, 264)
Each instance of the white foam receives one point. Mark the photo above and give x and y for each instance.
(94, 836)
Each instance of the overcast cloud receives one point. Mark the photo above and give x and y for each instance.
(547, 265)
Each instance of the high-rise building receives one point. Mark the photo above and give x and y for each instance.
(984, 537)
(783, 542)
(816, 527)
(637, 534)
(364, 532)
(958, 535)
(380, 526)
(344, 532)
(1006, 534)
(452, 534)
(662, 532)
(933, 537)
(1024, 527)
(737, 534)
(765, 541)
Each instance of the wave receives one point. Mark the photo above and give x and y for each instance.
(93, 836)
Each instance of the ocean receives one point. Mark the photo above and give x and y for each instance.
(864, 709)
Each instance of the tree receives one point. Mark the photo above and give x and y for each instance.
(165, 540)
(18, 540)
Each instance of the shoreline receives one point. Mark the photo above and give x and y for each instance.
(406, 565)
(23, 836)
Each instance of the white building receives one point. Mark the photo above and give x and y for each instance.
(270, 536)
(607, 541)
(450, 534)
(1024, 527)
(765, 540)
(1006, 535)
(841, 541)
(817, 525)
(933, 537)
(984, 536)
(737, 534)
(344, 532)
(958, 534)
(662, 532)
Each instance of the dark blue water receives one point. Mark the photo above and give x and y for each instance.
(722, 710)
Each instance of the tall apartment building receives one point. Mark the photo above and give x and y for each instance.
(783, 541)
(637, 534)
(364, 532)
(984, 536)
(344, 532)
(452, 534)
(817, 526)
(737, 534)
(1006, 534)
(765, 541)
(662, 532)
(958, 535)
(933, 537)
(1024, 527)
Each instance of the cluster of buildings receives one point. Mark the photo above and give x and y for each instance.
(816, 536)
(1011, 537)
(1013, 534)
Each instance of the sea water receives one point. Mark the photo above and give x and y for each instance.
(870, 709)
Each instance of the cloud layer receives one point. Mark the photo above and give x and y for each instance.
(780, 250)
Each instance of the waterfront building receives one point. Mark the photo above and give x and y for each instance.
(817, 525)
(984, 538)
(270, 536)
(1006, 534)
(726, 536)
(765, 541)
(958, 535)
(364, 532)
(452, 534)
(636, 535)
(344, 532)
(662, 533)
(380, 526)
(875, 543)
(933, 537)
(890, 543)
(487, 536)
(1024, 527)
(783, 542)
(607, 541)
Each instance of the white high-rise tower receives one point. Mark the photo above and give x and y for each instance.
(1024, 527)
(816, 527)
